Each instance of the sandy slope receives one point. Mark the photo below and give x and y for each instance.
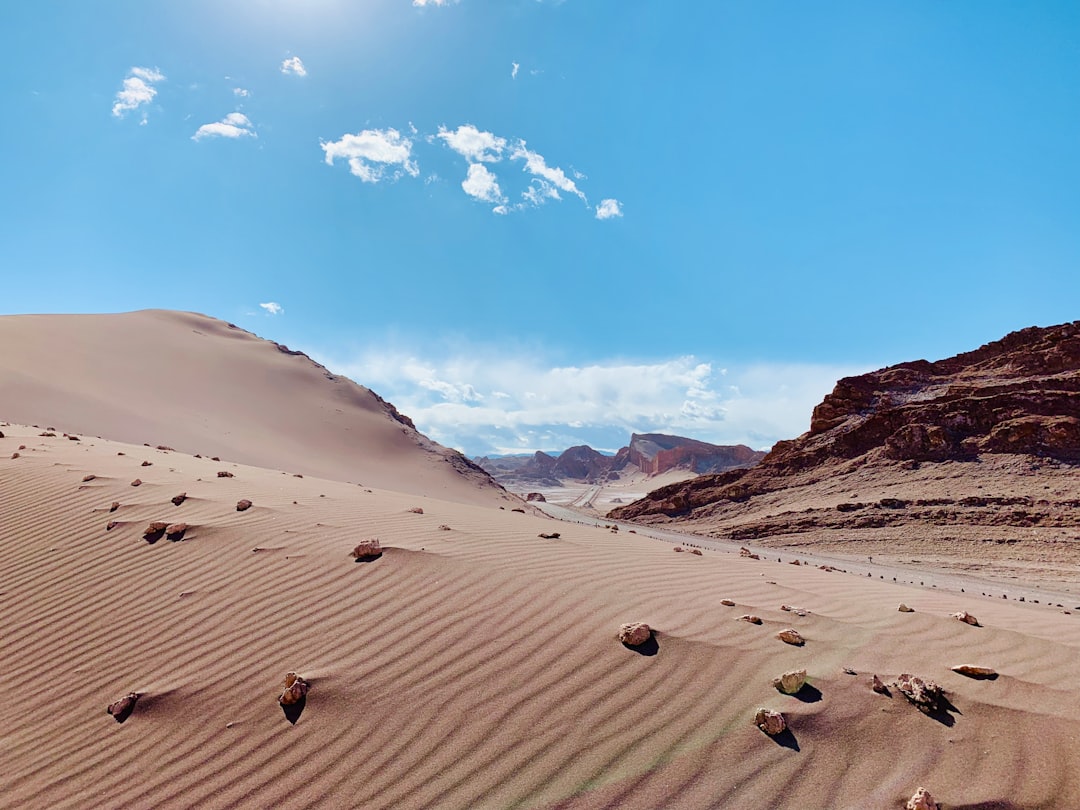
(473, 667)
(202, 386)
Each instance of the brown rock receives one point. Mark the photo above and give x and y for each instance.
(122, 709)
(73, 438)
(179, 499)
(224, 474)
(550, 535)
(696, 551)
(296, 689)
(443, 527)
(15, 455)
(750, 617)
(367, 549)
(877, 685)
(798, 611)
(727, 603)
(136, 483)
(175, 531)
(243, 505)
(904, 608)
(966, 618)
(536, 496)
(90, 477)
(922, 800)
(417, 510)
(772, 723)
(972, 671)
(791, 636)
(157, 527)
(115, 505)
(790, 682)
(678, 548)
(147, 464)
(112, 524)
(635, 634)
(926, 695)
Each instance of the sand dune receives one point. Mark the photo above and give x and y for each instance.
(474, 666)
(203, 386)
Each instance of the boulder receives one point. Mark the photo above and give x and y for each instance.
(122, 709)
(922, 800)
(635, 634)
(243, 505)
(972, 671)
(296, 689)
(926, 695)
(367, 549)
(967, 618)
(791, 636)
(904, 608)
(790, 682)
(772, 723)
(536, 496)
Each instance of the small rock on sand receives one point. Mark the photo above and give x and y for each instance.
(878, 686)
(678, 548)
(147, 464)
(967, 618)
(243, 505)
(772, 723)
(122, 709)
(112, 524)
(926, 695)
(922, 800)
(296, 689)
(417, 510)
(90, 477)
(750, 617)
(696, 551)
(549, 535)
(635, 634)
(727, 603)
(367, 549)
(136, 483)
(175, 531)
(904, 608)
(115, 505)
(973, 671)
(791, 636)
(15, 455)
(156, 527)
(790, 682)
(224, 474)
(179, 499)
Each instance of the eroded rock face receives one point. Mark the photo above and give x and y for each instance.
(296, 689)
(922, 800)
(635, 633)
(791, 636)
(926, 695)
(772, 723)
(790, 682)
(367, 549)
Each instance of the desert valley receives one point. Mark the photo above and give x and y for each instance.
(881, 613)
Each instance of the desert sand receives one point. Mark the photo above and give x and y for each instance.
(474, 664)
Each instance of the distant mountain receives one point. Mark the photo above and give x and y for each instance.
(650, 453)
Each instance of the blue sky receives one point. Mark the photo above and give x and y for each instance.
(532, 223)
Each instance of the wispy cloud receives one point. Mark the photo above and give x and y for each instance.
(240, 92)
(423, 3)
(294, 65)
(233, 125)
(608, 208)
(548, 181)
(487, 400)
(371, 153)
(138, 89)
(514, 68)
(273, 308)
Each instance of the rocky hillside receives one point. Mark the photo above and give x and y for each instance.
(1016, 396)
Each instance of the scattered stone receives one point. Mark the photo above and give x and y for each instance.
(112, 524)
(549, 536)
(750, 617)
(926, 695)
(179, 499)
(443, 527)
(367, 549)
(243, 505)
(727, 603)
(790, 682)
(635, 634)
(121, 710)
(297, 475)
(696, 551)
(90, 477)
(15, 455)
(136, 483)
(515, 509)
(745, 552)
(791, 636)
(904, 608)
(224, 474)
(417, 510)
(850, 671)
(115, 506)
(158, 527)
(296, 689)
(796, 610)
(772, 723)
(972, 671)
(214, 458)
(878, 685)
(678, 548)
(967, 618)
(147, 464)
(175, 531)
(73, 438)
(922, 800)
(163, 447)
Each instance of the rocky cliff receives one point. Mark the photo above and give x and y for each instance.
(1018, 395)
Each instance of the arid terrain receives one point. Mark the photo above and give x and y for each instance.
(474, 660)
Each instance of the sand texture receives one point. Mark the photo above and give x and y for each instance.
(474, 664)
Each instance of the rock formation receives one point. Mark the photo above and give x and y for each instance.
(926, 695)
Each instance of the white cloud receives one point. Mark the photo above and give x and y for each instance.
(138, 89)
(514, 68)
(423, 3)
(233, 125)
(608, 209)
(273, 308)
(487, 400)
(482, 184)
(371, 152)
(240, 92)
(294, 65)
(474, 144)
(548, 181)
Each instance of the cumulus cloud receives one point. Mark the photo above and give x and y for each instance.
(547, 181)
(273, 308)
(608, 209)
(482, 184)
(489, 401)
(294, 65)
(233, 125)
(474, 144)
(372, 153)
(423, 3)
(138, 89)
